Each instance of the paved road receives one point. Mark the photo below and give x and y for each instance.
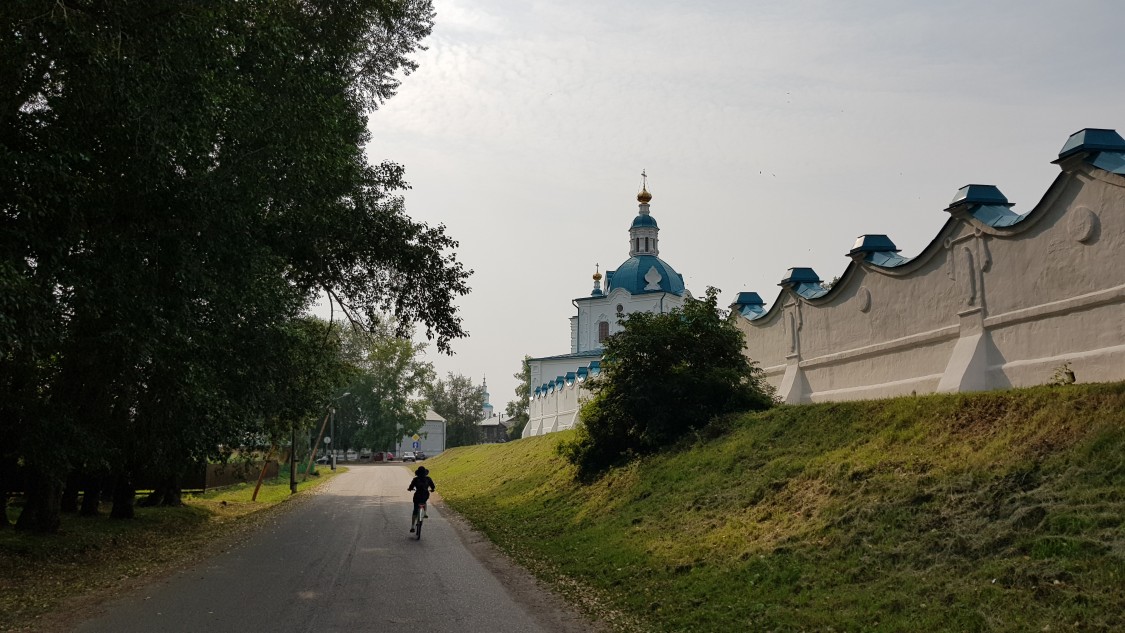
(341, 561)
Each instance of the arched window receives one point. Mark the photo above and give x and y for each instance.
(638, 246)
(603, 330)
(646, 244)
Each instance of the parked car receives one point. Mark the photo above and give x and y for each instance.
(419, 455)
(408, 456)
(390, 456)
(377, 457)
(323, 459)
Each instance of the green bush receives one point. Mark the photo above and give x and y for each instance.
(663, 376)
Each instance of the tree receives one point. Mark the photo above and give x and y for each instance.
(461, 403)
(662, 376)
(384, 400)
(517, 410)
(186, 178)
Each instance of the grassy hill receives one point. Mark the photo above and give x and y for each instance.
(1000, 511)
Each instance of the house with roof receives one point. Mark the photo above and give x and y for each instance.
(642, 283)
(494, 428)
(997, 299)
(431, 437)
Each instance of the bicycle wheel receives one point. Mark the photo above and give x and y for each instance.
(418, 528)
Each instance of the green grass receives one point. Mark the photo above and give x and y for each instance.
(1000, 511)
(38, 573)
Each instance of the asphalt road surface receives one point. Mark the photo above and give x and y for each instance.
(344, 560)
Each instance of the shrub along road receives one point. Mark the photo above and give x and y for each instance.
(345, 561)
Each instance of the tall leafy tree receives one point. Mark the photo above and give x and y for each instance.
(662, 376)
(461, 403)
(186, 177)
(517, 410)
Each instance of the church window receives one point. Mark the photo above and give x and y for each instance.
(638, 246)
(646, 244)
(603, 331)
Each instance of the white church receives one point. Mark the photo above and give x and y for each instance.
(642, 283)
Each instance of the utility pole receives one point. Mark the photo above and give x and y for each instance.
(293, 462)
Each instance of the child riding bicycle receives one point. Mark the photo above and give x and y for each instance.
(422, 486)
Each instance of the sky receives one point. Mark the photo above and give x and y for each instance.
(773, 134)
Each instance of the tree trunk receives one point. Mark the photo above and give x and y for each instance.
(124, 494)
(92, 495)
(69, 501)
(7, 481)
(167, 494)
(41, 513)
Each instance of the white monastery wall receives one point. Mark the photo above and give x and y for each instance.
(998, 299)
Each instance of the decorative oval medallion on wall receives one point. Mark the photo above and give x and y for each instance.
(1083, 224)
(863, 299)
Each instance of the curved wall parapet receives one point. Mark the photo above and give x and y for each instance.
(997, 299)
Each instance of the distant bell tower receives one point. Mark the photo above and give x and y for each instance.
(487, 410)
(644, 233)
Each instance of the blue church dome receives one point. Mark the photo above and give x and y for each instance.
(631, 276)
(644, 219)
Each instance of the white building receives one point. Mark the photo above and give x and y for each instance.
(431, 437)
(642, 283)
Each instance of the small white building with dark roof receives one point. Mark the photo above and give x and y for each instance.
(431, 437)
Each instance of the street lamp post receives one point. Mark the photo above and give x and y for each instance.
(293, 461)
(332, 434)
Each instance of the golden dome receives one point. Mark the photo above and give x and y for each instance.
(597, 274)
(644, 196)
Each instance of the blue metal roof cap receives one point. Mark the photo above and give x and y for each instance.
(811, 291)
(888, 259)
(1113, 162)
(795, 276)
(1092, 139)
(583, 372)
(559, 380)
(996, 216)
(978, 194)
(749, 299)
(595, 366)
(642, 220)
(749, 305)
(873, 244)
(630, 276)
(597, 292)
(752, 311)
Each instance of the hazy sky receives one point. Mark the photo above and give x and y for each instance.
(773, 134)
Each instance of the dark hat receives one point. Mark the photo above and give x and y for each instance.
(421, 472)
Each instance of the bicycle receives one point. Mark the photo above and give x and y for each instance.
(416, 520)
